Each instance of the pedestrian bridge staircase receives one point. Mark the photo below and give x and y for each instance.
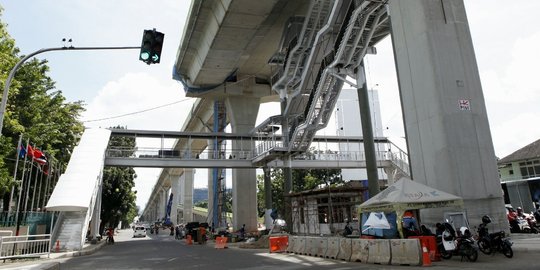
(77, 189)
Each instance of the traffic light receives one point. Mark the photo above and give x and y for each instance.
(151, 45)
(156, 47)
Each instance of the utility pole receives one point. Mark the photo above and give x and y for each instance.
(16, 67)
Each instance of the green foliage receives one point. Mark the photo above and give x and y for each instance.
(302, 179)
(202, 204)
(118, 198)
(35, 109)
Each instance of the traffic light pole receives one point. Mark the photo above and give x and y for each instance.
(12, 72)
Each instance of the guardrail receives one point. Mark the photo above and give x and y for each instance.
(25, 246)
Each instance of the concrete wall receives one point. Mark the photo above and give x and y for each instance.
(446, 123)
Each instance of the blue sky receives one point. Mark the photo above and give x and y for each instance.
(505, 36)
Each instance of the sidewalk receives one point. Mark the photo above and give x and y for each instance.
(46, 262)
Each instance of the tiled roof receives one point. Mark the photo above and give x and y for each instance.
(530, 151)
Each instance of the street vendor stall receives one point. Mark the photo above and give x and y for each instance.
(405, 195)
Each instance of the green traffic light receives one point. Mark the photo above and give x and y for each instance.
(145, 55)
(151, 46)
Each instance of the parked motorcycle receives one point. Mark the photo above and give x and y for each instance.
(489, 243)
(452, 244)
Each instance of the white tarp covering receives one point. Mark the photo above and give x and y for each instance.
(376, 220)
(77, 185)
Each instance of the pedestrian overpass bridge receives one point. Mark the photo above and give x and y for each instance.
(177, 177)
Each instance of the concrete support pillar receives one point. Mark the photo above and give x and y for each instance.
(242, 112)
(287, 189)
(154, 211)
(162, 202)
(187, 178)
(267, 197)
(175, 189)
(211, 194)
(448, 135)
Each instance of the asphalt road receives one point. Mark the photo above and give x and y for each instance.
(164, 252)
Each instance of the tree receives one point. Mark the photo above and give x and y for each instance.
(302, 179)
(118, 198)
(35, 109)
(278, 200)
(202, 204)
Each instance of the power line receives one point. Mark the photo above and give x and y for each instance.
(136, 112)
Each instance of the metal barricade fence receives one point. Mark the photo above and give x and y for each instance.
(25, 246)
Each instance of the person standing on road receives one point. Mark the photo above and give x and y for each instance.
(177, 232)
(243, 231)
(110, 236)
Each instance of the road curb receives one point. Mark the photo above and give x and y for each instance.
(86, 251)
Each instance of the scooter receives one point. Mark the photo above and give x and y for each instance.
(457, 245)
(520, 225)
(531, 220)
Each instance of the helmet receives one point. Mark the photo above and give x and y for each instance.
(486, 219)
(447, 236)
(465, 232)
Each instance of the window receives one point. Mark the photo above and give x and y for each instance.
(511, 172)
(530, 169)
(323, 214)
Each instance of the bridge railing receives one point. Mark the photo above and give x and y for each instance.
(152, 152)
(321, 151)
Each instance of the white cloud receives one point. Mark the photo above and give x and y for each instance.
(136, 92)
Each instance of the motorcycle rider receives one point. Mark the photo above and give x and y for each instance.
(512, 219)
(520, 213)
(537, 212)
(410, 225)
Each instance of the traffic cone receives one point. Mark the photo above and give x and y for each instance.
(426, 261)
(57, 246)
(188, 240)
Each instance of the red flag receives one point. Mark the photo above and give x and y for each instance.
(37, 153)
(39, 157)
(30, 151)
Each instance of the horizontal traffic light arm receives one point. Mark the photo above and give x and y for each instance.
(14, 69)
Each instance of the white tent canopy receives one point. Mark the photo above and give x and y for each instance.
(406, 194)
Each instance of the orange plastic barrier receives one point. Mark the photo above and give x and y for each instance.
(188, 240)
(221, 242)
(278, 243)
(431, 244)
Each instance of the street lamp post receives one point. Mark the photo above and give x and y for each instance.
(12, 72)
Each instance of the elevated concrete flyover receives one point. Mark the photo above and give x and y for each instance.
(232, 49)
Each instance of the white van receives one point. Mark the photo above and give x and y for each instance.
(139, 231)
